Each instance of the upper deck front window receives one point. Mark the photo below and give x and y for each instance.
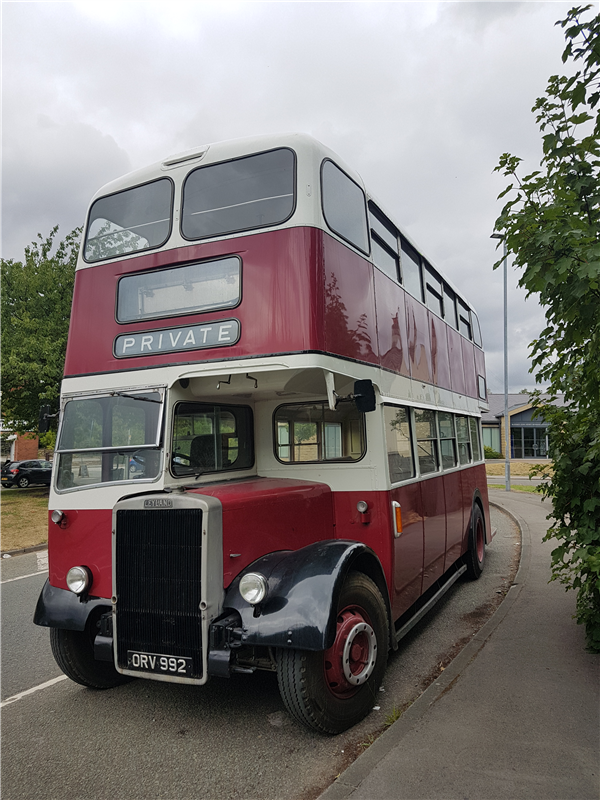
(132, 220)
(249, 192)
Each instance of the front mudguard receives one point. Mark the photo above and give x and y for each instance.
(303, 592)
(60, 608)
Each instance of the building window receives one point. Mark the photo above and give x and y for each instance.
(529, 442)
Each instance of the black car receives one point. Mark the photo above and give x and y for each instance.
(22, 473)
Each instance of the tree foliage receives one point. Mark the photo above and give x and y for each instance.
(551, 225)
(35, 311)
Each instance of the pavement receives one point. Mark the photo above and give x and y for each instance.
(515, 716)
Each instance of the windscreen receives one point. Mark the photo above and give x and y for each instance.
(136, 219)
(110, 438)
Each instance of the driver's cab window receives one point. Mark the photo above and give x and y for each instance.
(209, 438)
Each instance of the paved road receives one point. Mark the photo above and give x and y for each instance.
(230, 739)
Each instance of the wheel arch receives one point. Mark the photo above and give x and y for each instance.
(484, 508)
(304, 587)
(60, 608)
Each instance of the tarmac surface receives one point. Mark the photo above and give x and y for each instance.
(515, 716)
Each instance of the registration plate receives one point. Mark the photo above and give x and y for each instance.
(159, 664)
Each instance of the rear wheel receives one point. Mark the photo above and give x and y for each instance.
(334, 689)
(73, 651)
(23, 482)
(475, 557)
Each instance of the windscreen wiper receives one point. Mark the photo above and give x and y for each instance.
(135, 397)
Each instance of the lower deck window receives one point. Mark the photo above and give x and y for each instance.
(398, 441)
(310, 432)
(76, 470)
(209, 438)
(423, 442)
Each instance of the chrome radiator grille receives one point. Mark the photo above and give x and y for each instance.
(157, 569)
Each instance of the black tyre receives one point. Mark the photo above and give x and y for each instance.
(330, 691)
(23, 482)
(73, 651)
(475, 556)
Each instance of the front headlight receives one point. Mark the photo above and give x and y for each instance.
(79, 579)
(253, 588)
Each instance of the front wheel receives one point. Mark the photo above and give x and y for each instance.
(330, 691)
(475, 556)
(73, 651)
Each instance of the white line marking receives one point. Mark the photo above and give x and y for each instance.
(20, 578)
(16, 697)
(42, 560)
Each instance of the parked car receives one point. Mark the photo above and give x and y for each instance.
(24, 473)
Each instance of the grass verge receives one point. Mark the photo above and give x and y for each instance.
(514, 487)
(521, 468)
(24, 517)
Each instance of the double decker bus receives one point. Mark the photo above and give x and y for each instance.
(269, 450)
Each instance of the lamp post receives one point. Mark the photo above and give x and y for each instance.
(506, 417)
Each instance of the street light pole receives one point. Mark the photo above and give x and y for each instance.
(506, 417)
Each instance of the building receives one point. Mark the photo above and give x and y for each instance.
(528, 433)
(17, 446)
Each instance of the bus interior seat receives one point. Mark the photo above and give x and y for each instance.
(202, 453)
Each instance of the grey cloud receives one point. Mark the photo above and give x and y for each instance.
(420, 98)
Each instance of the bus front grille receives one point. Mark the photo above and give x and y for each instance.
(157, 576)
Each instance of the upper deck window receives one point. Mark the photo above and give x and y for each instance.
(464, 320)
(180, 290)
(384, 242)
(411, 270)
(433, 291)
(136, 219)
(344, 206)
(239, 195)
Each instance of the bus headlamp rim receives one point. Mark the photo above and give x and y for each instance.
(79, 579)
(253, 588)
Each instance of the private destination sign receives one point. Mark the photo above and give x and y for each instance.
(174, 340)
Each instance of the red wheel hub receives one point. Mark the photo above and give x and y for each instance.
(351, 659)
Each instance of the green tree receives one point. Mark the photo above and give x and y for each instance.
(35, 310)
(551, 225)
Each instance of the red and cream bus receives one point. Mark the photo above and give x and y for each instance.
(269, 452)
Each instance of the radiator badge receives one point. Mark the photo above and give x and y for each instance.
(161, 502)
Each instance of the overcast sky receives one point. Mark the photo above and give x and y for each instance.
(420, 98)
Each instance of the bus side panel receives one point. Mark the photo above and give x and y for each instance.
(373, 529)
(392, 336)
(419, 346)
(350, 324)
(408, 549)
(440, 358)
(434, 529)
(457, 370)
(265, 515)
(469, 362)
(455, 516)
(86, 542)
